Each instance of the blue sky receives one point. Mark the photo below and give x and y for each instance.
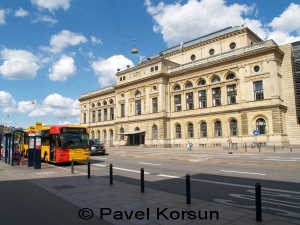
(51, 52)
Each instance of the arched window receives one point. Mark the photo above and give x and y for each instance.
(111, 102)
(261, 126)
(93, 134)
(111, 137)
(233, 128)
(121, 133)
(93, 105)
(138, 94)
(154, 132)
(201, 82)
(104, 103)
(218, 129)
(177, 88)
(98, 134)
(137, 128)
(189, 85)
(105, 136)
(98, 104)
(230, 76)
(215, 79)
(190, 129)
(203, 129)
(178, 131)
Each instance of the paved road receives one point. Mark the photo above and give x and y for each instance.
(228, 184)
(23, 202)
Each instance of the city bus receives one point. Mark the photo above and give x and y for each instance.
(62, 143)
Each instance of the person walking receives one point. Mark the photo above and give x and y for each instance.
(188, 145)
(191, 145)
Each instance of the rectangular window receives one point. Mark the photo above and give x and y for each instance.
(93, 116)
(122, 110)
(112, 114)
(202, 99)
(152, 69)
(216, 96)
(258, 90)
(99, 115)
(231, 94)
(189, 101)
(105, 114)
(138, 107)
(84, 117)
(154, 105)
(177, 101)
(156, 67)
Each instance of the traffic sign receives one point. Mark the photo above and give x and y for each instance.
(255, 132)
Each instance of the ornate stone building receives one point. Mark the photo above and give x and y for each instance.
(223, 85)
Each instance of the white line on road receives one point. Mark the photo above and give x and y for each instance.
(243, 164)
(282, 160)
(274, 157)
(169, 176)
(98, 158)
(134, 171)
(152, 164)
(295, 158)
(102, 165)
(230, 171)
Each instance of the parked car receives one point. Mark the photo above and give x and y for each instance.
(96, 147)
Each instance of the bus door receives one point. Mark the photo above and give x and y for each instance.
(53, 147)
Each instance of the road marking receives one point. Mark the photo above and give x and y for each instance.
(99, 158)
(102, 165)
(152, 164)
(274, 157)
(134, 171)
(282, 160)
(169, 176)
(243, 164)
(230, 171)
(295, 158)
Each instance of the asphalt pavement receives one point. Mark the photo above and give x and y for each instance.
(53, 195)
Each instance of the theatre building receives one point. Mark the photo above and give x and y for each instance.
(226, 85)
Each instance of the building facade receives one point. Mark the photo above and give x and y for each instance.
(211, 90)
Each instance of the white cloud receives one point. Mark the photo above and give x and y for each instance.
(7, 102)
(18, 64)
(62, 69)
(96, 40)
(3, 13)
(180, 21)
(286, 22)
(58, 106)
(25, 106)
(62, 40)
(21, 13)
(52, 5)
(106, 69)
(45, 19)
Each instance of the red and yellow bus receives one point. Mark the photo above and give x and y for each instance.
(62, 143)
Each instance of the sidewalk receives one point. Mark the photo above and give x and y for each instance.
(122, 200)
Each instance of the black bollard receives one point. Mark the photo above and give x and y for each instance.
(142, 181)
(89, 169)
(274, 148)
(72, 166)
(188, 189)
(111, 173)
(291, 148)
(245, 147)
(258, 201)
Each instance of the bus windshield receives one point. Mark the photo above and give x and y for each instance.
(74, 141)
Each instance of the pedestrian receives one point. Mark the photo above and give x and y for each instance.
(191, 145)
(188, 145)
